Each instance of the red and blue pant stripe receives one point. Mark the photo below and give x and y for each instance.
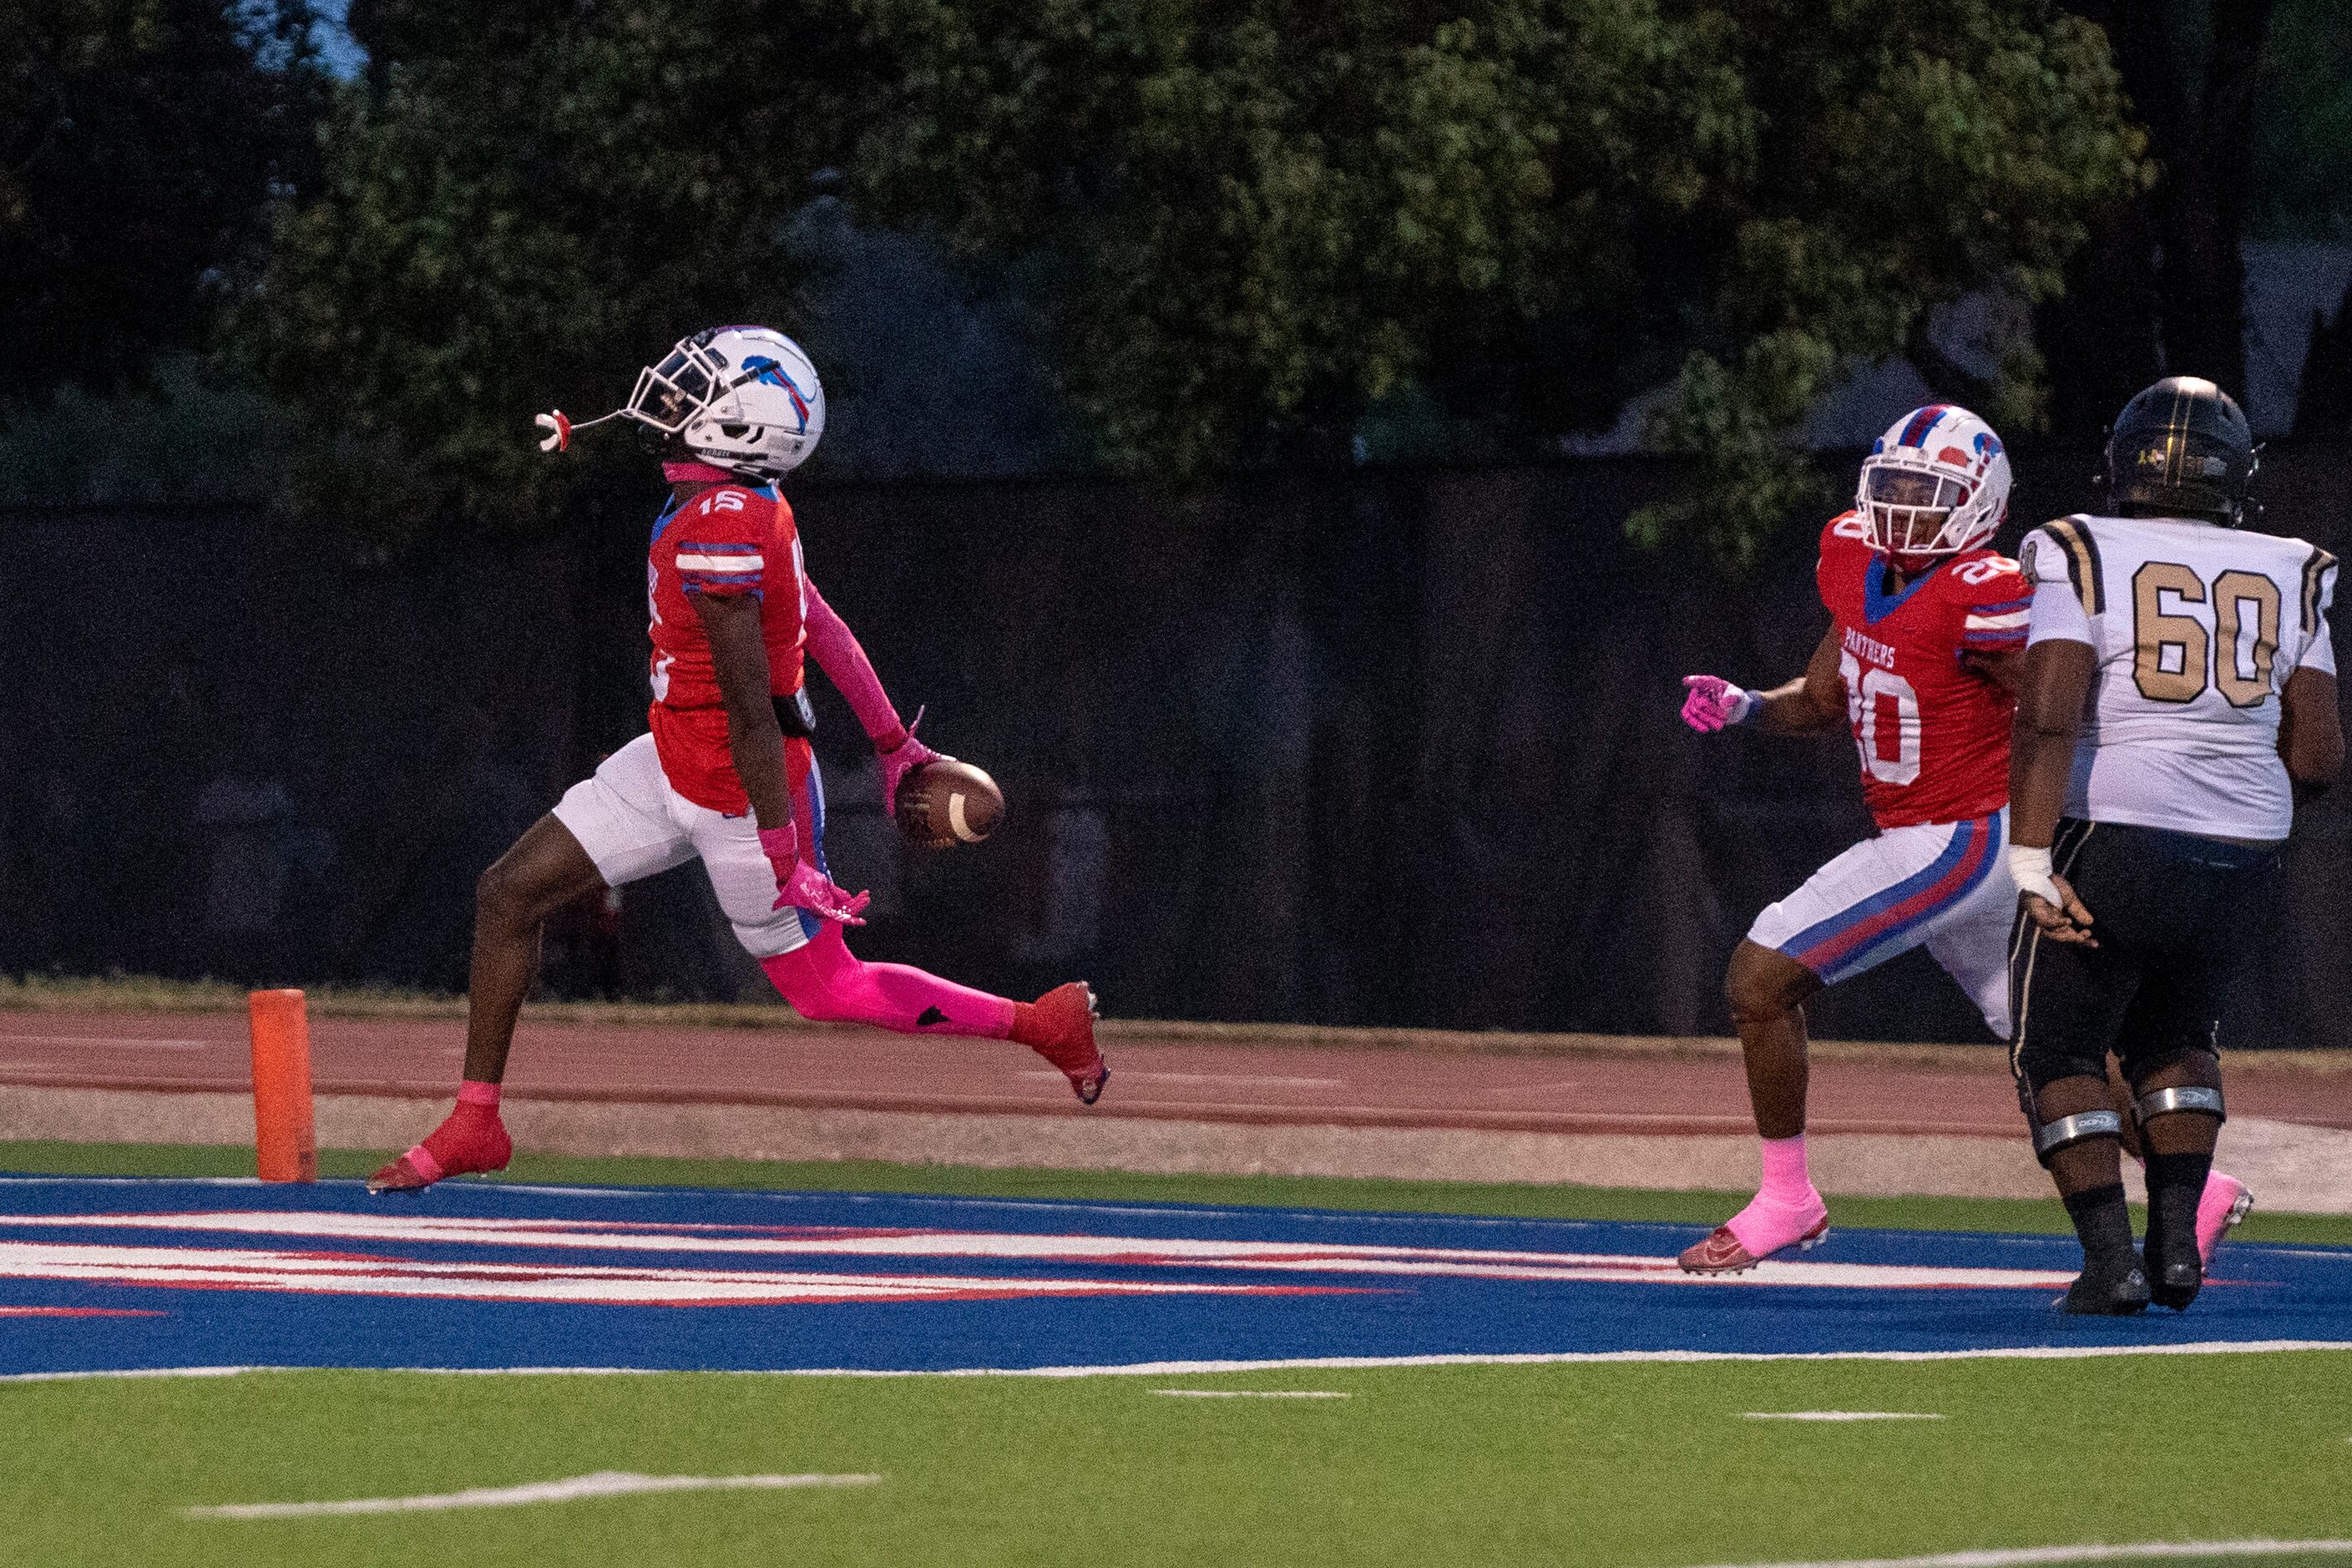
(1856, 939)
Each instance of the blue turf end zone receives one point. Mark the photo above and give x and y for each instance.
(120, 1274)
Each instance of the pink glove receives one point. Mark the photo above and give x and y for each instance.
(1715, 702)
(802, 885)
(902, 758)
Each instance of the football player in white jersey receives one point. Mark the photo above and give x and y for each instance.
(2179, 695)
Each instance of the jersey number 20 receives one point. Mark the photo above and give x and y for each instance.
(1874, 697)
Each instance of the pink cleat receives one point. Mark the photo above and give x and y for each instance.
(1759, 1231)
(2223, 1204)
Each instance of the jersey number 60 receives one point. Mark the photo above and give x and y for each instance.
(2174, 659)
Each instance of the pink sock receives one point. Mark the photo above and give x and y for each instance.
(474, 1092)
(825, 983)
(1785, 1207)
(1786, 1180)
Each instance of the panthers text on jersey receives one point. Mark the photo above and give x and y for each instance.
(1933, 733)
(2197, 629)
(730, 539)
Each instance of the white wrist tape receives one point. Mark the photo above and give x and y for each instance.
(2031, 870)
(1740, 705)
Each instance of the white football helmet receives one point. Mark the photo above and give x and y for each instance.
(1936, 484)
(745, 399)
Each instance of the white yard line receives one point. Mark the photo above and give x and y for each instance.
(2025, 1556)
(133, 1372)
(1252, 1394)
(603, 1483)
(1843, 1415)
(1251, 1255)
(1295, 1363)
(133, 1181)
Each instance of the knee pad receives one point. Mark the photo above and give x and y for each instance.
(2192, 1100)
(2049, 1137)
(2040, 1064)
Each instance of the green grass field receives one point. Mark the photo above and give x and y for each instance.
(1648, 1464)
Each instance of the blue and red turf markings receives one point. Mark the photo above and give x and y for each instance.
(102, 1275)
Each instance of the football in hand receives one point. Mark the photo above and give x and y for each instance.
(946, 802)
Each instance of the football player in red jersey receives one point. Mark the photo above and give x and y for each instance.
(1921, 663)
(726, 773)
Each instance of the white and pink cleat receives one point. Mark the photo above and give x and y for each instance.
(2224, 1203)
(1765, 1227)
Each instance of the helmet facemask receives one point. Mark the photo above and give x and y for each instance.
(682, 385)
(1915, 510)
(754, 417)
(745, 399)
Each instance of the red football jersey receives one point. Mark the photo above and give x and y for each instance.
(1934, 734)
(730, 539)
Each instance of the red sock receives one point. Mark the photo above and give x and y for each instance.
(472, 1139)
(1025, 1028)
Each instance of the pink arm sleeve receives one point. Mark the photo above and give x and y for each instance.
(845, 665)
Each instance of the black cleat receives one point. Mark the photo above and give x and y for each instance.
(2175, 1270)
(2176, 1284)
(2117, 1291)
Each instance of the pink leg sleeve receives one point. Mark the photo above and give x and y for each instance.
(843, 659)
(825, 982)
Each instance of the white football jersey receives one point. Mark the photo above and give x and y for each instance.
(2197, 629)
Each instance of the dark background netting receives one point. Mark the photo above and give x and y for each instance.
(1395, 748)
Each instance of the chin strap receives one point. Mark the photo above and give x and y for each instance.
(560, 427)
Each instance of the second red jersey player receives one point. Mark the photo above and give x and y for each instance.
(1920, 662)
(1931, 726)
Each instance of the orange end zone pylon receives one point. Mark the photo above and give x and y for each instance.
(284, 1148)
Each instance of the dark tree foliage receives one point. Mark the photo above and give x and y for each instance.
(2302, 186)
(1247, 222)
(522, 203)
(142, 145)
(2160, 287)
(1265, 216)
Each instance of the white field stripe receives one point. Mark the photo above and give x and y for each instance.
(330, 1274)
(1252, 1394)
(1329, 1258)
(131, 1182)
(1294, 1363)
(2025, 1556)
(1843, 1415)
(603, 1483)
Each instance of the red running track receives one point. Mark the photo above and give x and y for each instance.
(1967, 1090)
